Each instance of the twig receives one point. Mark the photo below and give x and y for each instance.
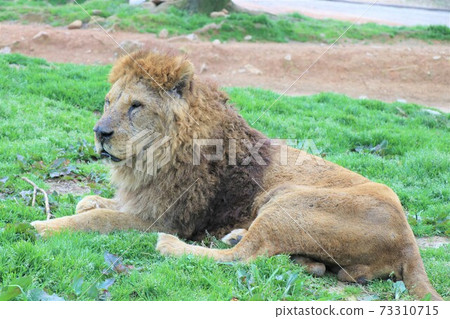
(36, 188)
(34, 197)
(399, 68)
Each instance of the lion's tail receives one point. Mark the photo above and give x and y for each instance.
(416, 279)
(243, 251)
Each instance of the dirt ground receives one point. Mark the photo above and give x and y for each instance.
(411, 71)
(388, 12)
(433, 4)
(433, 242)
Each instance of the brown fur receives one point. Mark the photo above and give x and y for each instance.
(324, 214)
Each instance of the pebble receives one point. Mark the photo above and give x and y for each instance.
(5, 50)
(41, 36)
(252, 69)
(77, 24)
(163, 34)
(431, 112)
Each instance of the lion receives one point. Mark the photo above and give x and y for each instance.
(185, 163)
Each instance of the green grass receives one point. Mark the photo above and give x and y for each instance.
(292, 27)
(47, 112)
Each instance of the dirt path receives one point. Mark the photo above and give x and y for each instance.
(393, 12)
(411, 71)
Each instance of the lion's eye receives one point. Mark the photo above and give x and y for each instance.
(135, 104)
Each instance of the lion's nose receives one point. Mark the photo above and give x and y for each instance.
(103, 133)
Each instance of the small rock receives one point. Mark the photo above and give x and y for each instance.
(184, 38)
(191, 37)
(5, 50)
(203, 68)
(217, 14)
(431, 112)
(248, 37)
(363, 97)
(95, 22)
(40, 36)
(437, 57)
(288, 57)
(216, 42)
(129, 46)
(97, 12)
(401, 101)
(253, 70)
(242, 70)
(163, 34)
(77, 24)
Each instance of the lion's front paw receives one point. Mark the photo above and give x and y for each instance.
(93, 202)
(40, 227)
(88, 203)
(169, 245)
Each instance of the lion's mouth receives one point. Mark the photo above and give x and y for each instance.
(105, 154)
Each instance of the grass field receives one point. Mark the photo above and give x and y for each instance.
(292, 27)
(47, 112)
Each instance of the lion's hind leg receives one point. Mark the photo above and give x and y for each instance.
(313, 267)
(251, 245)
(169, 245)
(254, 243)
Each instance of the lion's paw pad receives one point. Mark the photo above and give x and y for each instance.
(234, 237)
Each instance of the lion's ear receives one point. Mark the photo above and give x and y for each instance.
(186, 72)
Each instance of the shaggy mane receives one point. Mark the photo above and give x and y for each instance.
(161, 70)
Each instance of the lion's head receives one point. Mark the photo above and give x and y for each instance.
(147, 97)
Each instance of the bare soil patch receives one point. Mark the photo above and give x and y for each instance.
(432, 242)
(67, 187)
(411, 70)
